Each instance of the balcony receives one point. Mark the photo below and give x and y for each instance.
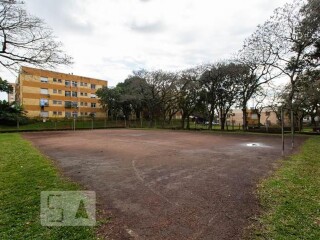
(70, 104)
(44, 104)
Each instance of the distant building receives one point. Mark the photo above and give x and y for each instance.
(12, 95)
(267, 117)
(48, 94)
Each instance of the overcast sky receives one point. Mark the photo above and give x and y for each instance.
(110, 38)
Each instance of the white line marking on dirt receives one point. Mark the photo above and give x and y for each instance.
(136, 171)
(132, 233)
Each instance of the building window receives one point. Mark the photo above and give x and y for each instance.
(44, 79)
(81, 83)
(44, 91)
(67, 83)
(93, 95)
(93, 105)
(68, 114)
(44, 114)
(74, 94)
(54, 80)
(93, 86)
(81, 103)
(81, 94)
(59, 81)
(57, 102)
(85, 84)
(74, 114)
(55, 91)
(67, 94)
(69, 104)
(55, 113)
(86, 94)
(60, 91)
(74, 84)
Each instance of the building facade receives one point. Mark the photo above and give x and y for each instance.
(49, 94)
(12, 95)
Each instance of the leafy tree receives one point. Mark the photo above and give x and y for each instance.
(209, 80)
(109, 99)
(11, 113)
(27, 39)
(189, 97)
(5, 86)
(228, 90)
(133, 88)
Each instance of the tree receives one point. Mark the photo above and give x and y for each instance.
(228, 90)
(306, 100)
(109, 99)
(210, 85)
(27, 39)
(189, 94)
(5, 86)
(133, 93)
(291, 35)
(11, 113)
(255, 59)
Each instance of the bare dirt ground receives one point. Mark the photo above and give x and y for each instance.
(167, 184)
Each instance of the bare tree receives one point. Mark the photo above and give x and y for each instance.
(255, 59)
(27, 39)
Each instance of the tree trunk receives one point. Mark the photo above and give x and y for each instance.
(223, 122)
(188, 122)
(313, 121)
(210, 120)
(244, 119)
(259, 120)
(222, 119)
(183, 117)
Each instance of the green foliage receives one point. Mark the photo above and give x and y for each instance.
(24, 173)
(10, 113)
(5, 86)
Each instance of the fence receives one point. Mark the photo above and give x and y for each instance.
(87, 123)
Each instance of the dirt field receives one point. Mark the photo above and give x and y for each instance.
(166, 184)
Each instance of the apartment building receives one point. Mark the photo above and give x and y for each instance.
(49, 94)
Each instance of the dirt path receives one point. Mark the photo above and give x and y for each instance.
(166, 184)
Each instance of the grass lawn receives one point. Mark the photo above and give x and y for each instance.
(24, 173)
(291, 197)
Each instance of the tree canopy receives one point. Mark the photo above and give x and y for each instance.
(27, 39)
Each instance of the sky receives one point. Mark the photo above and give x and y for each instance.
(108, 39)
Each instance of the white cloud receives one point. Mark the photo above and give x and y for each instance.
(110, 38)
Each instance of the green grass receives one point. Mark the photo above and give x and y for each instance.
(291, 197)
(24, 173)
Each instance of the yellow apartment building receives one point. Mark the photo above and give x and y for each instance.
(48, 94)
